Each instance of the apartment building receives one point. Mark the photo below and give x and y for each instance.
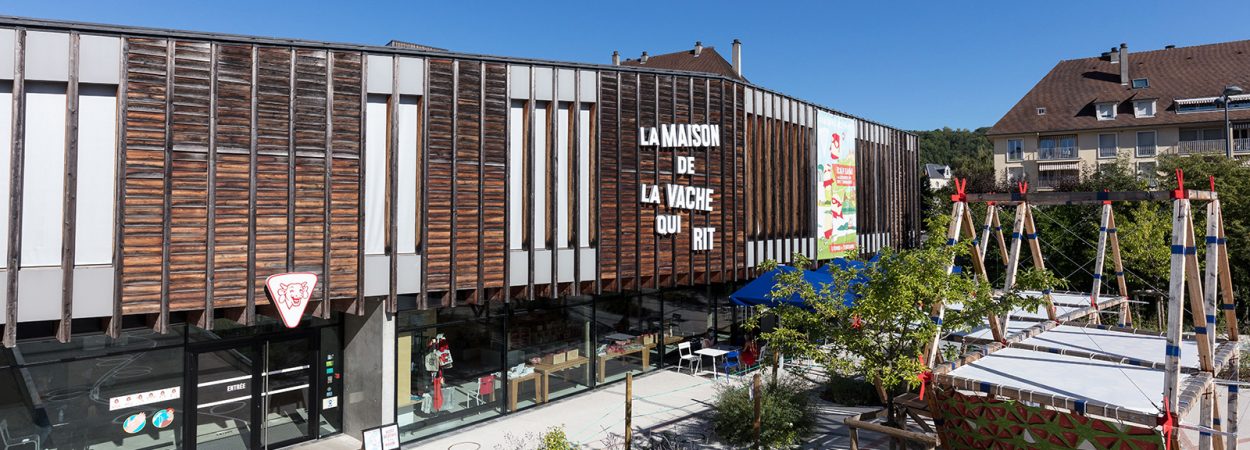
(1119, 106)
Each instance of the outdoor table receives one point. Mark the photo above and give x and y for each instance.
(712, 353)
(546, 369)
(513, 383)
(620, 336)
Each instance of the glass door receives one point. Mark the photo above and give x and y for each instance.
(286, 396)
(224, 383)
(255, 394)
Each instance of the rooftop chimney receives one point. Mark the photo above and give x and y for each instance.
(1114, 55)
(698, 48)
(616, 58)
(737, 57)
(1124, 80)
(644, 58)
(1169, 46)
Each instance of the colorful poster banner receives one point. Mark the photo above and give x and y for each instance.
(835, 201)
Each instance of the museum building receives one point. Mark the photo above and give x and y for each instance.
(220, 241)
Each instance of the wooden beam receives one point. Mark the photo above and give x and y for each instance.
(114, 327)
(937, 310)
(69, 206)
(392, 185)
(210, 207)
(978, 264)
(162, 321)
(998, 234)
(1013, 260)
(1035, 248)
(481, 180)
(1176, 295)
(1095, 291)
(325, 308)
(1226, 282)
(1114, 236)
(1200, 316)
(1086, 198)
(251, 188)
(984, 243)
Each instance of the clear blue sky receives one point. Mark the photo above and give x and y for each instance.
(915, 65)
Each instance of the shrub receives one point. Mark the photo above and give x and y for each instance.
(785, 414)
(555, 439)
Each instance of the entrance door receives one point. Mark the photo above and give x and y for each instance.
(256, 393)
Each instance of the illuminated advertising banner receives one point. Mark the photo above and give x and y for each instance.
(835, 200)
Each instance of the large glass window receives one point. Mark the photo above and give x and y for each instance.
(628, 330)
(549, 350)
(93, 401)
(449, 364)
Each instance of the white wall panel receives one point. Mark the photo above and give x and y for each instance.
(516, 173)
(563, 132)
(97, 156)
(375, 175)
(43, 185)
(47, 56)
(406, 196)
(6, 132)
(583, 175)
(381, 72)
(539, 177)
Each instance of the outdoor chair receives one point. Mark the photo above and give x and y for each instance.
(11, 441)
(485, 387)
(731, 362)
(686, 355)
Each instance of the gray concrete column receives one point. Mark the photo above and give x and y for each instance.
(369, 378)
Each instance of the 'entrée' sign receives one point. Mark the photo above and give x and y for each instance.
(679, 196)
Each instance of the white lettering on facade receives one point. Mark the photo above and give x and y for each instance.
(680, 196)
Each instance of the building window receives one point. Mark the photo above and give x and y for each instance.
(1106, 111)
(1107, 145)
(1141, 83)
(1200, 140)
(1056, 178)
(1056, 147)
(1148, 171)
(1144, 108)
(1041, 111)
(1015, 174)
(1145, 144)
(1015, 149)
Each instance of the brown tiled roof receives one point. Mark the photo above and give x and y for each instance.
(1071, 89)
(708, 61)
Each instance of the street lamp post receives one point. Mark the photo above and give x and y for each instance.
(1229, 91)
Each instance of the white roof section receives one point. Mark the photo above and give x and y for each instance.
(1141, 347)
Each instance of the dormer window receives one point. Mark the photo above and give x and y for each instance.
(1144, 108)
(1041, 111)
(1105, 111)
(1141, 83)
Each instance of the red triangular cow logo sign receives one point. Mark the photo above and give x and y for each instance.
(290, 293)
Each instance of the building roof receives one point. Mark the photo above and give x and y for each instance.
(1073, 87)
(413, 46)
(937, 171)
(708, 61)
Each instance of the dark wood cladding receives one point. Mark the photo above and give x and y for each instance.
(440, 174)
(226, 179)
(494, 175)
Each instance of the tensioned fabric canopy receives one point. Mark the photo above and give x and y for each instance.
(759, 291)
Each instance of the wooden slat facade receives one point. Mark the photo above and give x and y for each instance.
(243, 158)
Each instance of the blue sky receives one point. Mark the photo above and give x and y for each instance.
(915, 65)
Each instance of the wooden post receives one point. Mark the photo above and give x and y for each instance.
(998, 234)
(1013, 259)
(1176, 295)
(1204, 417)
(1035, 248)
(1230, 319)
(756, 394)
(984, 243)
(1200, 316)
(978, 264)
(1100, 258)
(1210, 288)
(1126, 319)
(776, 364)
(629, 409)
(937, 311)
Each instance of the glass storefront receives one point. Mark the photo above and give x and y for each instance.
(232, 387)
(461, 365)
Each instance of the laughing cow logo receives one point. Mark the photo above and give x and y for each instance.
(290, 293)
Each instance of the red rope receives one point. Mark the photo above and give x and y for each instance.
(925, 377)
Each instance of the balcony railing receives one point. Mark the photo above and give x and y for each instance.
(1241, 145)
(1048, 153)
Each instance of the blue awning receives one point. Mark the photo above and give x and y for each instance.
(759, 291)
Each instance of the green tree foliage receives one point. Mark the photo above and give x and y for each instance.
(881, 335)
(969, 153)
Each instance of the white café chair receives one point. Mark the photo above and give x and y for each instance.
(683, 351)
